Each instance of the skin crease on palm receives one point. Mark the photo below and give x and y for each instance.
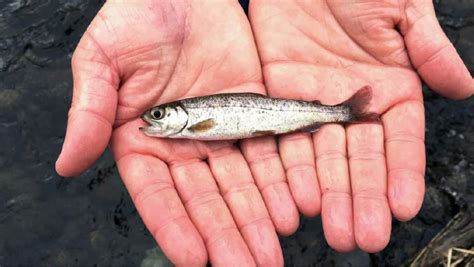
(220, 201)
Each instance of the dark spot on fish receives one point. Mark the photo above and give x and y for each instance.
(263, 133)
(203, 126)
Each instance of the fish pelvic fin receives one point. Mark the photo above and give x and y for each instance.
(359, 105)
(262, 133)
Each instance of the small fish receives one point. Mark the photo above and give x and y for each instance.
(245, 115)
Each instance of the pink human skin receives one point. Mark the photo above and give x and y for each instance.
(221, 202)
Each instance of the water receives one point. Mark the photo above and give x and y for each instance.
(90, 220)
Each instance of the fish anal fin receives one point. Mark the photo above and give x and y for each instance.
(263, 133)
(202, 126)
(371, 117)
(312, 128)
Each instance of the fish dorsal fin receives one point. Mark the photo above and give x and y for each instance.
(240, 94)
(250, 94)
(202, 126)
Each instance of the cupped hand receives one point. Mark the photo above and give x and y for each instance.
(326, 50)
(199, 200)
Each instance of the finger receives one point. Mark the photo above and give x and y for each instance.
(298, 158)
(404, 126)
(210, 215)
(92, 112)
(333, 174)
(152, 190)
(246, 204)
(432, 54)
(372, 218)
(265, 164)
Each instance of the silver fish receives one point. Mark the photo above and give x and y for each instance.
(244, 115)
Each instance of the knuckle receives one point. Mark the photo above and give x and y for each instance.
(264, 157)
(367, 155)
(256, 221)
(241, 188)
(370, 193)
(156, 188)
(300, 166)
(203, 198)
(331, 155)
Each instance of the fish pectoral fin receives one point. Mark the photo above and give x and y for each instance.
(202, 126)
(263, 133)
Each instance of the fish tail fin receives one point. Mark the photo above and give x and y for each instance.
(359, 104)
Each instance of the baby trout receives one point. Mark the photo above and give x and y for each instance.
(245, 115)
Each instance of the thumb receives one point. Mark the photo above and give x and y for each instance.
(92, 112)
(432, 54)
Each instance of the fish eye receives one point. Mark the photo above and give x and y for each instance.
(157, 114)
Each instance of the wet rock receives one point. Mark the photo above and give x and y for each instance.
(155, 258)
(465, 46)
(8, 98)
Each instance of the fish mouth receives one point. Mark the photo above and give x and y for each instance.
(146, 131)
(150, 128)
(146, 119)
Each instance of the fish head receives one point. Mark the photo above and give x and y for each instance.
(164, 120)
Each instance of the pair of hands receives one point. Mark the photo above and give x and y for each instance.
(224, 201)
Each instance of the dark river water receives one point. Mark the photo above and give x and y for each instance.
(90, 220)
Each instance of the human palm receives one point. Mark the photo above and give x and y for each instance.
(326, 50)
(197, 199)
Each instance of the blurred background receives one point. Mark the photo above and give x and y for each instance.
(90, 220)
